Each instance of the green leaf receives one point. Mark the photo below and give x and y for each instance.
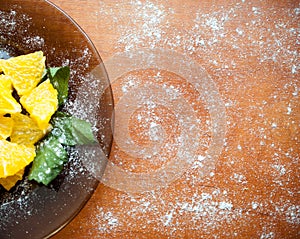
(49, 160)
(82, 131)
(62, 130)
(59, 77)
(72, 131)
(51, 155)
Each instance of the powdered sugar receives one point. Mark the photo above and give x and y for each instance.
(9, 25)
(250, 49)
(245, 46)
(150, 16)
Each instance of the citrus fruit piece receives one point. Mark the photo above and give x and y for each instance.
(11, 181)
(6, 126)
(41, 103)
(25, 131)
(26, 71)
(14, 157)
(1, 63)
(5, 83)
(8, 104)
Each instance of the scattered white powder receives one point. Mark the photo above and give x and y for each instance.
(239, 178)
(150, 16)
(269, 235)
(168, 218)
(36, 41)
(204, 38)
(9, 23)
(225, 206)
(198, 163)
(254, 205)
(274, 125)
(147, 208)
(110, 221)
(280, 168)
(294, 69)
(255, 10)
(289, 110)
(214, 39)
(292, 214)
(239, 31)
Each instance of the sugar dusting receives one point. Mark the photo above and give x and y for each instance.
(151, 16)
(244, 46)
(257, 177)
(9, 26)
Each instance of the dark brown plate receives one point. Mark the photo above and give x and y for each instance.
(30, 210)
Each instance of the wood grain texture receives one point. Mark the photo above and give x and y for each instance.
(250, 49)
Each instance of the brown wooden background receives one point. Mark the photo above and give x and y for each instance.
(250, 49)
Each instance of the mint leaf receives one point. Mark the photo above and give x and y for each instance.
(82, 131)
(62, 130)
(49, 160)
(71, 131)
(51, 155)
(59, 77)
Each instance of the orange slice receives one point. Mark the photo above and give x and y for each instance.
(41, 103)
(25, 131)
(11, 181)
(26, 71)
(6, 126)
(1, 63)
(5, 83)
(14, 157)
(8, 104)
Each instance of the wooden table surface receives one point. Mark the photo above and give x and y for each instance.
(245, 187)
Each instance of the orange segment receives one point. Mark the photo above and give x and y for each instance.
(5, 83)
(8, 104)
(14, 157)
(41, 103)
(26, 71)
(6, 126)
(1, 63)
(11, 181)
(25, 131)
